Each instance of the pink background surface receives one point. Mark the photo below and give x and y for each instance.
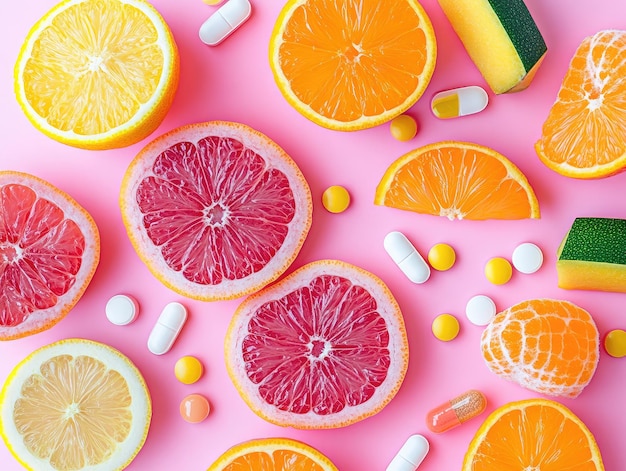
(233, 82)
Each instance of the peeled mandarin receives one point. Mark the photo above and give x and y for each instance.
(188, 370)
(441, 257)
(615, 343)
(498, 270)
(445, 327)
(403, 127)
(336, 199)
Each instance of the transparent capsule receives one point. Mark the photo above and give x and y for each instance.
(456, 411)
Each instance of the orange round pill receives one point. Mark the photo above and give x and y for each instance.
(194, 408)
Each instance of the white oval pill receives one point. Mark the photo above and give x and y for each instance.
(480, 309)
(459, 102)
(527, 258)
(167, 328)
(410, 455)
(406, 256)
(224, 21)
(121, 309)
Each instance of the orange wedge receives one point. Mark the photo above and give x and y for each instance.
(459, 180)
(352, 64)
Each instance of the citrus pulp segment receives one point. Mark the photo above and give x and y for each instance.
(584, 133)
(49, 251)
(75, 405)
(533, 434)
(352, 64)
(215, 210)
(97, 74)
(545, 345)
(272, 454)
(458, 180)
(324, 347)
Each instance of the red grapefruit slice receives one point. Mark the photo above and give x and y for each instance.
(215, 210)
(49, 251)
(323, 348)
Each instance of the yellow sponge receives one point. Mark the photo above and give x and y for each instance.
(502, 39)
(592, 255)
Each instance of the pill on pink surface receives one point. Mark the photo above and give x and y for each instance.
(194, 408)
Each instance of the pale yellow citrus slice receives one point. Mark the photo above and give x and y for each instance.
(533, 434)
(75, 405)
(97, 74)
(458, 180)
(272, 454)
(352, 64)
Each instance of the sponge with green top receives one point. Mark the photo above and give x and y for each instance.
(592, 255)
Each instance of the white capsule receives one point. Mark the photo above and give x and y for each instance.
(459, 102)
(167, 328)
(406, 256)
(527, 258)
(224, 21)
(410, 455)
(121, 309)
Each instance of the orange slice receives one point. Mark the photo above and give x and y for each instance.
(584, 135)
(352, 64)
(545, 345)
(458, 180)
(272, 454)
(215, 210)
(49, 251)
(533, 434)
(324, 347)
(75, 405)
(97, 74)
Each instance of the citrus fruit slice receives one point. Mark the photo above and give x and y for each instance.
(584, 135)
(459, 180)
(215, 210)
(533, 434)
(272, 454)
(97, 74)
(349, 64)
(322, 348)
(49, 251)
(545, 345)
(75, 405)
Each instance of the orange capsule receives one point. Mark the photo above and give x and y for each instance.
(456, 411)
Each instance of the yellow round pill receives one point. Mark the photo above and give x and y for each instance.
(498, 270)
(441, 257)
(403, 127)
(445, 327)
(615, 343)
(212, 2)
(336, 199)
(188, 370)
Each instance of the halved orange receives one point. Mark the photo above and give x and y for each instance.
(584, 135)
(97, 74)
(272, 454)
(533, 434)
(546, 345)
(324, 347)
(458, 180)
(352, 64)
(49, 251)
(215, 210)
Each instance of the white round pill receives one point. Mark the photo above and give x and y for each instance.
(480, 309)
(121, 309)
(527, 258)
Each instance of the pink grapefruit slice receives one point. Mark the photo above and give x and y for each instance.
(324, 347)
(49, 251)
(215, 210)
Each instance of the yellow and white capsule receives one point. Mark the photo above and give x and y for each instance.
(459, 102)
